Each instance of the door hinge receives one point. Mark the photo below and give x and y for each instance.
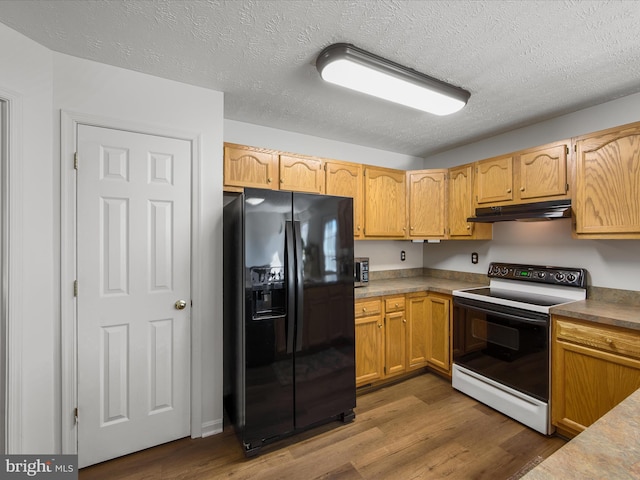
(75, 160)
(75, 288)
(566, 189)
(567, 149)
(75, 415)
(575, 147)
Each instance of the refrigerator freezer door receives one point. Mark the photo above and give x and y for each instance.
(269, 388)
(325, 330)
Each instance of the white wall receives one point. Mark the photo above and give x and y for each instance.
(383, 254)
(41, 83)
(96, 89)
(611, 263)
(26, 77)
(266, 137)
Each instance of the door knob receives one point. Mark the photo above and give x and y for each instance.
(180, 305)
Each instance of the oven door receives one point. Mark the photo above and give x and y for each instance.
(505, 344)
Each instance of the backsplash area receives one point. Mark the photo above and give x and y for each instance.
(609, 295)
(429, 272)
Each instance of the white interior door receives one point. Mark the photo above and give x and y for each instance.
(134, 222)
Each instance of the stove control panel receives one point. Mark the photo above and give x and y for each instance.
(574, 277)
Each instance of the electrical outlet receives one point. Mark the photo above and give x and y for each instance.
(403, 255)
(474, 257)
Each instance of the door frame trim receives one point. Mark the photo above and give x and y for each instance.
(69, 122)
(12, 268)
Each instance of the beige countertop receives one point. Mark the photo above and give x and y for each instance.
(395, 286)
(606, 313)
(608, 449)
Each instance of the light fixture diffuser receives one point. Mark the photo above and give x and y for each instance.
(351, 67)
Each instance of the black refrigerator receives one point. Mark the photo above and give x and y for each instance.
(289, 333)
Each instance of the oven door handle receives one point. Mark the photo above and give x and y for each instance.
(458, 302)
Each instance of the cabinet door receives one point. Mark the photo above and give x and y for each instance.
(494, 180)
(384, 202)
(461, 207)
(301, 174)
(345, 179)
(395, 342)
(427, 203)
(543, 173)
(608, 183)
(417, 331)
(369, 349)
(587, 383)
(439, 348)
(250, 167)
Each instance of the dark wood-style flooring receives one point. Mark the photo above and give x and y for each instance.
(418, 429)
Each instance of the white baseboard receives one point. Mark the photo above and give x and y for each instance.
(212, 428)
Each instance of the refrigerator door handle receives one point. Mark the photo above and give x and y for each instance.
(299, 286)
(290, 262)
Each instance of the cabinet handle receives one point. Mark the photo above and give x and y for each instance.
(522, 189)
(269, 180)
(364, 309)
(508, 190)
(379, 325)
(412, 228)
(282, 180)
(404, 320)
(396, 305)
(608, 340)
(468, 227)
(358, 227)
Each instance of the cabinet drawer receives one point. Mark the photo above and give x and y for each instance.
(395, 304)
(603, 338)
(364, 308)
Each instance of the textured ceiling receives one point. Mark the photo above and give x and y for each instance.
(522, 61)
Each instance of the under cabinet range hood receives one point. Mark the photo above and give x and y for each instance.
(526, 212)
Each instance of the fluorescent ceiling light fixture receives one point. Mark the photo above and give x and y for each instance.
(351, 67)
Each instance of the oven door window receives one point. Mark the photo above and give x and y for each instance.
(511, 351)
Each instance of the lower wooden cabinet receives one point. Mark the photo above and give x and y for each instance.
(395, 328)
(417, 330)
(369, 341)
(401, 333)
(595, 367)
(439, 332)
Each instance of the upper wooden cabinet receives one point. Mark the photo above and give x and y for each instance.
(536, 174)
(262, 168)
(494, 180)
(607, 201)
(301, 174)
(385, 202)
(345, 179)
(542, 172)
(461, 206)
(426, 203)
(250, 167)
